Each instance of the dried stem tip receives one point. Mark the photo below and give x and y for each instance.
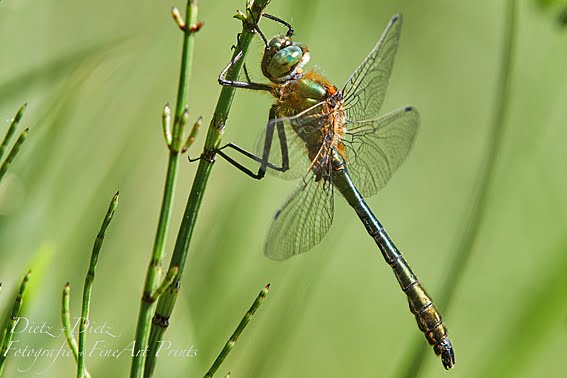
(192, 135)
(196, 27)
(178, 18)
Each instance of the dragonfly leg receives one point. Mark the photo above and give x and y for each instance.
(264, 163)
(240, 84)
(233, 47)
(290, 30)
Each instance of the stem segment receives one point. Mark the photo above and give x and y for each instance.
(66, 320)
(232, 341)
(167, 300)
(13, 152)
(8, 331)
(174, 141)
(89, 280)
(12, 129)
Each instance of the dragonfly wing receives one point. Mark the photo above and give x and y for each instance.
(296, 130)
(376, 148)
(365, 90)
(303, 220)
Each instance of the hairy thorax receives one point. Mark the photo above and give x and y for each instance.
(322, 124)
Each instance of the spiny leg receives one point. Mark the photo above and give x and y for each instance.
(264, 163)
(233, 47)
(240, 84)
(290, 30)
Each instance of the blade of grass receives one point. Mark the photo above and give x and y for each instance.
(232, 340)
(11, 320)
(89, 280)
(166, 302)
(174, 140)
(413, 365)
(67, 328)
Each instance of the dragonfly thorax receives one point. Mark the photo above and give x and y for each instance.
(284, 60)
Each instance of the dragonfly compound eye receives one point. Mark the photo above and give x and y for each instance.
(284, 61)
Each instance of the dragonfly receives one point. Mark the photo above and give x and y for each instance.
(331, 140)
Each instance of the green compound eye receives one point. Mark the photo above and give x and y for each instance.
(284, 60)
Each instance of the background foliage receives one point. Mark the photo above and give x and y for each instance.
(96, 75)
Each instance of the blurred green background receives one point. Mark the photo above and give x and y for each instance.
(96, 76)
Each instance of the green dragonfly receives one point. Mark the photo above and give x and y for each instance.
(333, 139)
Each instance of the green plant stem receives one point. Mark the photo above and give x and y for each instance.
(89, 280)
(166, 302)
(66, 320)
(149, 297)
(165, 284)
(11, 322)
(480, 198)
(232, 340)
(12, 129)
(13, 152)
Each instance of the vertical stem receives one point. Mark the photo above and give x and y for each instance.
(147, 305)
(11, 320)
(167, 300)
(89, 280)
(232, 340)
(470, 234)
(67, 328)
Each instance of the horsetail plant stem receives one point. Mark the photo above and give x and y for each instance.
(11, 322)
(8, 137)
(89, 280)
(12, 129)
(67, 328)
(472, 227)
(166, 302)
(232, 340)
(165, 283)
(13, 152)
(173, 138)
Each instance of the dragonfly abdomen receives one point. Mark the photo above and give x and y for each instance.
(428, 318)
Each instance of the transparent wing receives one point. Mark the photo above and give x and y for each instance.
(365, 90)
(297, 129)
(376, 148)
(303, 220)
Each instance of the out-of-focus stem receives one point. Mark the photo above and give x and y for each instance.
(412, 367)
(89, 280)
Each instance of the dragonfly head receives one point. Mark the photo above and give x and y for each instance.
(283, 59)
